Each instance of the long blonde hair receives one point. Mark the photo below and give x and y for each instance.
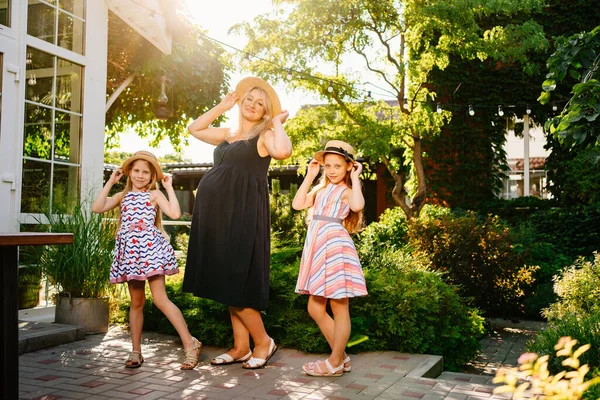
(265, 123)
(354, 221)
(152, 185)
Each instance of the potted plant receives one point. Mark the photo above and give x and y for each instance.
(80, 272)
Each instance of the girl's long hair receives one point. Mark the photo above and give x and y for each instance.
(152, 185)
(354, 221)
(265, 123)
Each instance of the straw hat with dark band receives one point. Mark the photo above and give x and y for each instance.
(146, 156)
(251, 82)
(336, 147)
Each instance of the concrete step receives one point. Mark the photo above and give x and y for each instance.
(35, 335)
(456, 377)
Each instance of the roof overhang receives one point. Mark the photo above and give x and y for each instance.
(148, 18)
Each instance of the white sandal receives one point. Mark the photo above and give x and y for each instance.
(256, 363)
(226, 359)
(313, 369)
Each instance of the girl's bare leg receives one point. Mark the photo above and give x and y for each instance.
(171, 311)
(136, 313)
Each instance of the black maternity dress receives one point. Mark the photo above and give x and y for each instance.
(229, 250)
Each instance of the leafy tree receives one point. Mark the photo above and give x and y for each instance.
(576, 58)
(400, 42)
(194, 76)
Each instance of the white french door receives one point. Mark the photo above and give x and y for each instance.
(9, 146)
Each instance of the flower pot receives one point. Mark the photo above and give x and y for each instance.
(91, 313)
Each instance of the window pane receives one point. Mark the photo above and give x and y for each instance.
(70, 33)
(65, 188)
(75, 7)
(41, 21)
(67, 130)
(5, 12)
(40, 76)
(37, 141)
(35, 197)
(68, 86)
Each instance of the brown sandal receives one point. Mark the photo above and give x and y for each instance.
(192, 355)
(135, 360)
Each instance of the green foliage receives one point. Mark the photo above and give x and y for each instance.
(411, 309)
(400, 42)
(82, 268)
(578, 290)
(584, 328)
(195, 82)
(408, 309)
(574, 177)
(287, 225)
(478, 256)
(389, 233)
(576, 59)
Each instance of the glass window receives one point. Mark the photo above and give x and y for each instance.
(67, 129)
(40, 77)
(41, 21)
(5, 12)
(65, 188)
(68, 86)
(36, 186)
(52, 134)
(74, 7)
(37, 140)
(60, 23)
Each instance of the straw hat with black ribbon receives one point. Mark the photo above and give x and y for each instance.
(247, 84)
(337, 147)
(146, 156)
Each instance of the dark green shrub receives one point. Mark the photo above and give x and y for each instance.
(477, 255)
(578, 290)
(287, 224)
(390, 233)
(586, 329)
(411, 309)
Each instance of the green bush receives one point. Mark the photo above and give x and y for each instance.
(287, 224)
(586, 329)
(477, 255)
(390, 233)
(411, 309)
(408, 309)
(578, 290)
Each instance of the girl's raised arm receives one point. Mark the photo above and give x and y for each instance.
(103, 203)
(354, 196)
(304, 198)
(200, 128)
(171, 206)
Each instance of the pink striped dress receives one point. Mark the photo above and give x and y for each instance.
(330, 266)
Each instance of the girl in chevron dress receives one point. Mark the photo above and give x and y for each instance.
(142, 252)
(330, 270)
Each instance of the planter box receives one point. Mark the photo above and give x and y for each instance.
(91, 313)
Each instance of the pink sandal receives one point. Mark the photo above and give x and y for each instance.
(314, 369)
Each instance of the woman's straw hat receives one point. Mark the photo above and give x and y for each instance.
(249, 83)
(146, 156)
(336, 147)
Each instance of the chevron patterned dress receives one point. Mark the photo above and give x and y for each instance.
(330, 266)
(141, 250)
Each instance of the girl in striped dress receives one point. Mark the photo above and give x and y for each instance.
(330, 270)
(142, 252)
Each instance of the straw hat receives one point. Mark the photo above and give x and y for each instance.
(336, 147)
(249, 83)
(146, 156)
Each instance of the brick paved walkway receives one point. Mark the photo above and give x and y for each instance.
(93, 369)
